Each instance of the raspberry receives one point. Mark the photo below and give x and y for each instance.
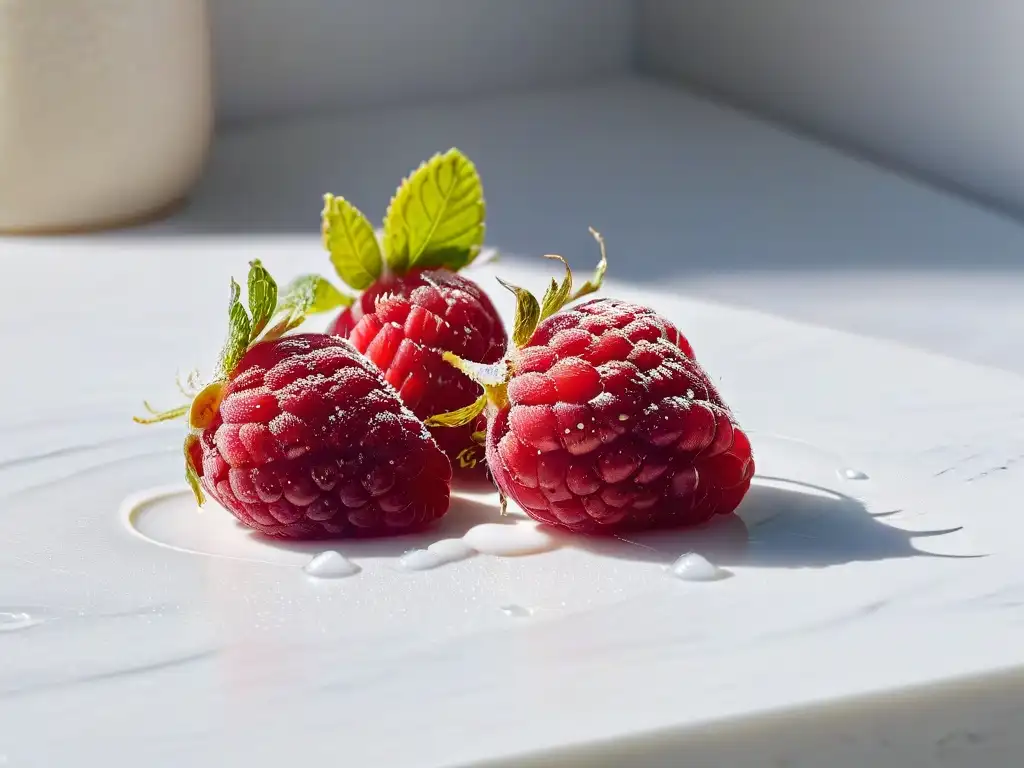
(605, 422)
(414, 320)
(601, 443)
(310, 442)
(413, 306)
(302, 438)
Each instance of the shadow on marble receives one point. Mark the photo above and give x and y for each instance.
(781, 524)
(463, 514)
(791, 525)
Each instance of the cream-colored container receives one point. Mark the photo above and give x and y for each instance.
(105, 110)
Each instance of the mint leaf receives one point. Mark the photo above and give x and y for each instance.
(311, 295)
(436, 217)
(237, 340)
(304, 296)
(349, 238)
(450, 258)
(262, 297)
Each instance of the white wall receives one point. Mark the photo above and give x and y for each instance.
(279, 56)
(932, 85)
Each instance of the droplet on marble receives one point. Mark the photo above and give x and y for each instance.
(331, 565)
(516, 611)
(13, 621)
(451, 550)
(694, 567)
(420, 560)
(437, 554)
(524, 538)
(852, 474)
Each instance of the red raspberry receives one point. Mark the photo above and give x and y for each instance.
(414, 320)
(311, 443)
(610, 427)
(604, 421)
(303, 439)
(413, 305)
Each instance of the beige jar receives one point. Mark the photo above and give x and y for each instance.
(105, 110)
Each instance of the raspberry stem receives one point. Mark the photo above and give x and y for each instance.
(494, 380)
(158, 416)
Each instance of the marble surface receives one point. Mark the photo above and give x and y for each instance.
(867, 620)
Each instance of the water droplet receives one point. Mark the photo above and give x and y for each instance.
(437, 554)
(690, 394)
(525, 538)
(580, 425)
(852, 474)
(331, 565)
(12, 621)
(694, 567)
(622, 417)
(451, 550)
(516, 611)
(420, 560)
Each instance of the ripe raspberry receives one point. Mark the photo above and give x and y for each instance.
(303, 439)
(424, 314)
(416, 308)
(605, 423)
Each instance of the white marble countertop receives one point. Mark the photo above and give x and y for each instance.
(843, 637)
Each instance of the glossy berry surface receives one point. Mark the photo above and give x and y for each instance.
(612, 426)
(404, 324)
(309, 442)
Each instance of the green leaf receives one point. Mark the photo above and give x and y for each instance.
(527, 315)
(349, 238)
(557, 294)
(436, 217)
(460, 417)
(237, 340)
(594, 283)
(191, 475)
(311, 295)
(305, 295)
(262, 292)
(449, 258)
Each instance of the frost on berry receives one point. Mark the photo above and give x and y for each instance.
(311, 442)
(404, 324)
(612, 425)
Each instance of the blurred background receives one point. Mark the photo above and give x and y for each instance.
(856, 165)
